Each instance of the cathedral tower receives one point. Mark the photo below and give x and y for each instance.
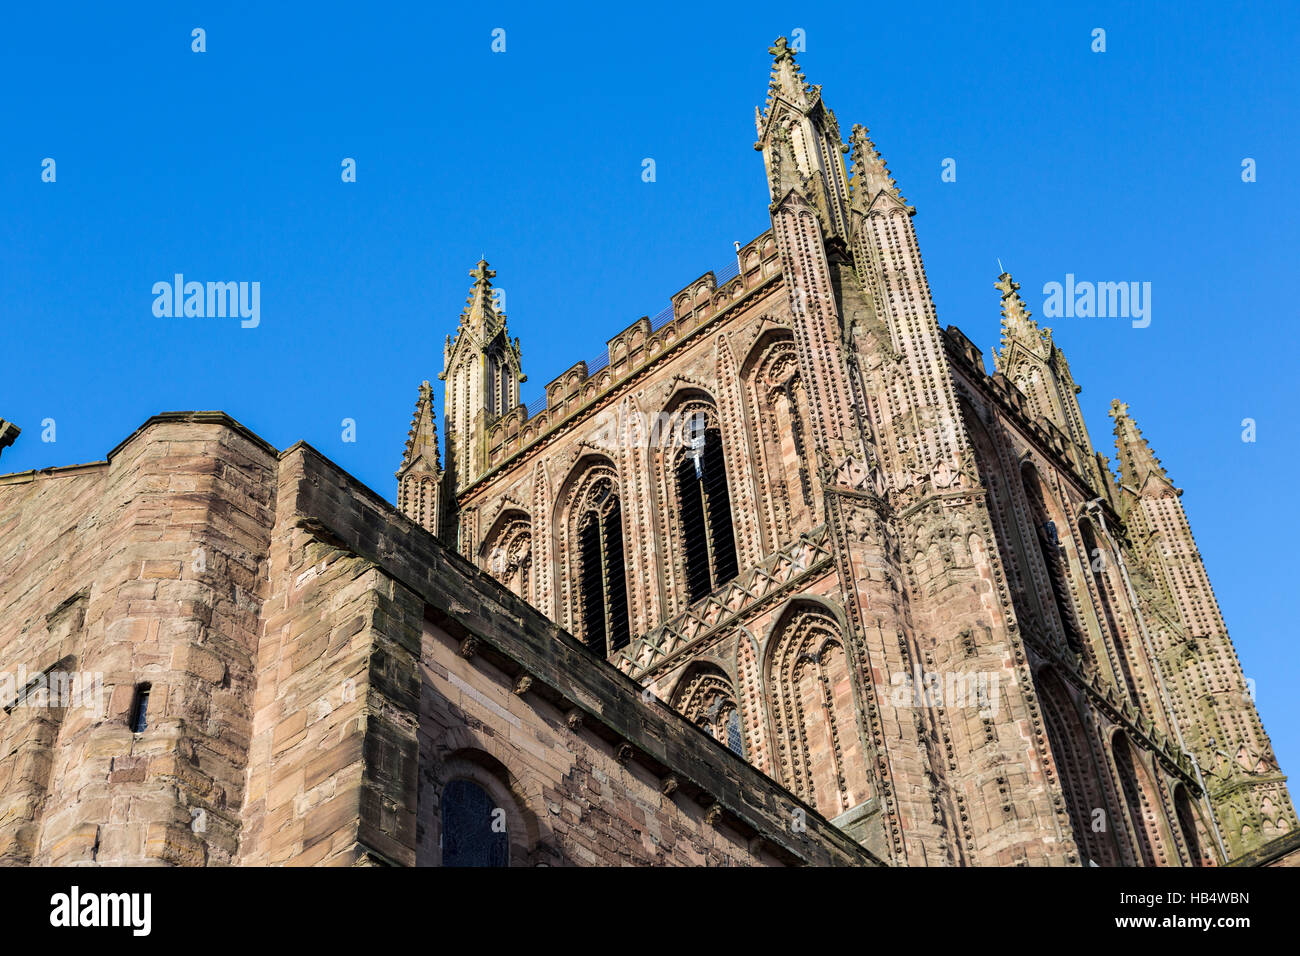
(910, 528)
(482, 371)
(907, 589)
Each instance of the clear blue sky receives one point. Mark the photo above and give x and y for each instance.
(225, 165)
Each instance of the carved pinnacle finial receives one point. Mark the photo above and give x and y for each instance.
(480, 307)
(1013, 307)
(482, 275)
(1137, 462)
(1018, 324)
(870, 174)
(422, 439)
(786, 81)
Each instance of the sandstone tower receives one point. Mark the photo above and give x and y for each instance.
(809, 519)
(785, 577)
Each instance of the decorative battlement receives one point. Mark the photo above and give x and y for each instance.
(633, 348)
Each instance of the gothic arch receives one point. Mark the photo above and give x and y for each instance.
(1141, 799)
(776, 395)
(507, 551)
(706, 697)
(1077, 772)
(592, 557)
(693, 473)
(1049, 528)
(817, 747)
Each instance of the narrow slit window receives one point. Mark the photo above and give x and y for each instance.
(140, 711)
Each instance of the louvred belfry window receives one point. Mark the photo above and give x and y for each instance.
(602, 579)
(1053, 555)
(704, 506)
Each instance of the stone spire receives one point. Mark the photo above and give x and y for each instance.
(1137, 462)
(482, 371)
(787, 83)
(1018, 324)
(870, 174)
(422, 439)
(800, 141)
(419, 479)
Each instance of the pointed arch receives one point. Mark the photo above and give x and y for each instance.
(593, 557)
(818, 750)
(706, 697)
(1141, 801)
(1077, 771)
(693, 469)
(507, 551)
(469, 769)
(778, 403)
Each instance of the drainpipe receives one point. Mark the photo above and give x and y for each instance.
(1094, 507)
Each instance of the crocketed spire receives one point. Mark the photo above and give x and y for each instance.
(1018, 324)
(870, 174)
(1137, 462)
(422, 439)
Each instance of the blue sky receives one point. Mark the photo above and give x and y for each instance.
(225, 165)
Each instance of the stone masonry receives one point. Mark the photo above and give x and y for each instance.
(318, 668)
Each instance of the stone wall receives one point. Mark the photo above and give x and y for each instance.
(318, 667)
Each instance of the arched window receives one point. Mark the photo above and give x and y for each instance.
(1050, 550)
(706, 698)
(1076, 770)
(810, 692)
(1188, 824)
(1099, 560)
(704, 505)
(602, 580)
(1140, 800)
(509, 553)
(473, 829)
(779, 409)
